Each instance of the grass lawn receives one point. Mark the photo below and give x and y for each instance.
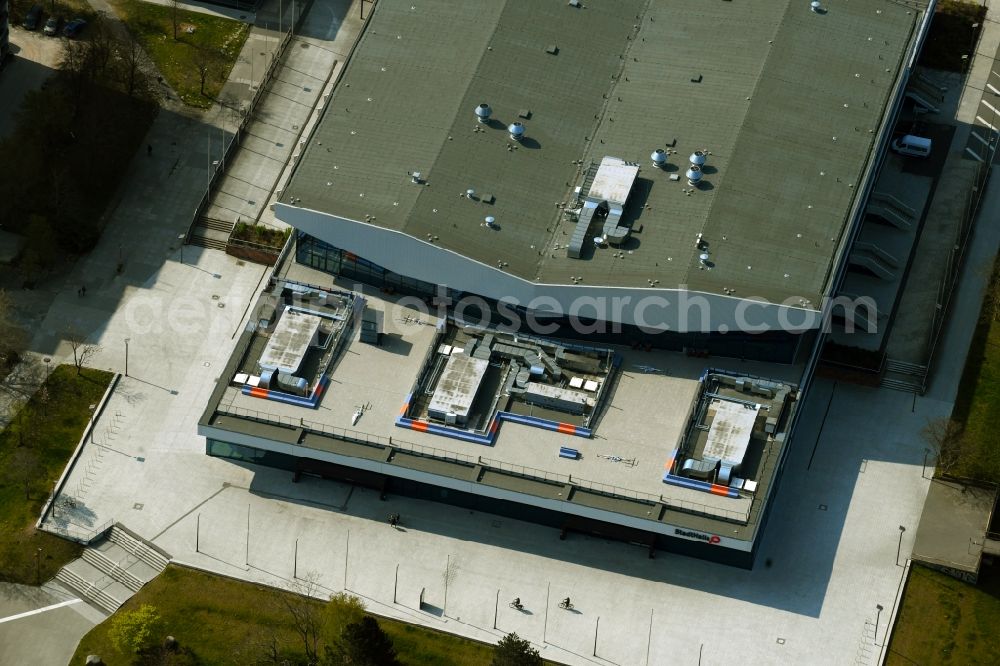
(223, 621)
(952, 34)
(946, 621)
(204, 43)
(977, 405)
(51, 428)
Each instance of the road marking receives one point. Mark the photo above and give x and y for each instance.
(11, 618)
(980, 139)
(989, 106)
(973, 153)
(991, 87)
(983, 121)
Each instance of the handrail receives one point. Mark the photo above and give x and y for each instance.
(346, 434)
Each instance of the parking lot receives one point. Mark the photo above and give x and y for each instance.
(35, 58)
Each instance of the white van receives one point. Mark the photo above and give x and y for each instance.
(914, 146)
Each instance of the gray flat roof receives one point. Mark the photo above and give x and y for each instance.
(787, 103)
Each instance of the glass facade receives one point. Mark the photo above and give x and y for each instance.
(220, 449)
(330, 259)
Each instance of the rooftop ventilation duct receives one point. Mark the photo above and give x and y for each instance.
(816, 6)
(516, 131)
(697, 158)
(613, 230)
(694, 175)
(491, 221)
(483, 112)
(659, 158)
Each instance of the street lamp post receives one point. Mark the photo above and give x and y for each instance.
(38, 567)
(126, 355)
(182, 238)
(878, 614)
(899, 546)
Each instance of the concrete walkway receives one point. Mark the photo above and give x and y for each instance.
(41, 626)
(306, 70)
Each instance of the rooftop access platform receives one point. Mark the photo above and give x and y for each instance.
(601, 433)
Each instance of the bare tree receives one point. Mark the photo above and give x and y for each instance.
(261, 649)
(82, 350)
(204, 61)
(11, 335)
(944, 436)
(102, 45)
(131, 57)
(20, 374)
(174, 10)
(25, 467)
(306, 614)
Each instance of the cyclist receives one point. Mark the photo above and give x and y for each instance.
(566, 603)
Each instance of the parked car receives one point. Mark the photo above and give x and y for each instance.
(32, 18)
(52, 26)
(74, 27)
(912, 146)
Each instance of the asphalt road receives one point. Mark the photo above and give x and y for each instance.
(38, 628)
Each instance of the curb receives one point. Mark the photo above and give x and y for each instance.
(87, 433)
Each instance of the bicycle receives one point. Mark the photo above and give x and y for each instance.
(565, 604)
(516, 604)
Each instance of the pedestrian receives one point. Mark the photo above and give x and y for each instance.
(392, 520)
(149, 149)
(83, 290)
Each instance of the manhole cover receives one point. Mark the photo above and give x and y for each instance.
(137, 506)
(222, 305)
(304, 45)
(215, 297)
(241, 263)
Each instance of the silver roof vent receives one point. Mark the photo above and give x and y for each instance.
(470, 193)
(703, 257)
(483, 112)
(816, 6)
(491, 221)
(659, 158)
(697, 158)
(516, 131)
(693, 174)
